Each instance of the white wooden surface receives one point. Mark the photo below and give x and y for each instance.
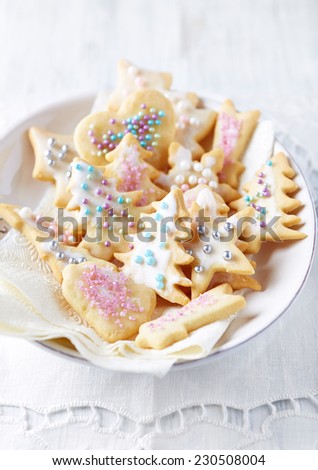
(261, 53)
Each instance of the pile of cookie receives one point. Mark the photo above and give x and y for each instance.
(149, 186)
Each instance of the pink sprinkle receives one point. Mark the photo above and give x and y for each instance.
(107, 244)
(185, 187)
(107, 291)
(131, 246)
(230, 131)
(204, 299)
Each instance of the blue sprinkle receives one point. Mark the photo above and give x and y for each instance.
(148, 137)
(84, 186)
(87, 211)
(160, 277)
(129, 127)
(158, 122)
(269, 163)
(148, 253)
(150, 260)
(147, 234)
(160, 285)
(247, 198)
(90, 169)
(120, 200)
(161, 113)
(164, 205)
(263, 210)
(99, 209)
(120, 135)
(133, 131)
(158, 216)
(138, 259)
(151, 122)
(163, 245)
(78, 166)
(143, 143)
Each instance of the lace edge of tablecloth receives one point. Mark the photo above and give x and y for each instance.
(250, 427)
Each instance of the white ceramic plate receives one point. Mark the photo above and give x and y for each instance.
(282, 269)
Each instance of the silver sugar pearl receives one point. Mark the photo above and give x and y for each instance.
(53, 245)
(82, 259)
(51, 141)
(48, 153)
(201, 229)
(60, 255)
(61, 156)
(216, 235)
(51, 162)
(207, 249)
(68, 174)
(198, 269)
(228, 226)
(72, 260)
(65, 148)
(227, 255)
(190, 252)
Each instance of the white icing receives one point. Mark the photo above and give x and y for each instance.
(259, 150)
(189, 172)
(207, 201)
(143, 273)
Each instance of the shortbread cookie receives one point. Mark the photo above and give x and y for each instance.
(268, 195)
(128, 164)
(111, 303)
(214, 248)
(93, 194)
(236, 281)
(187, 173)
(157, 255)
(232, 133)
(58, 255)
(131, 78)
(193, 124)
(211, 202)
(177, 323)
(53, 155)
(147, 114)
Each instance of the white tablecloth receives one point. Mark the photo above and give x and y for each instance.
(263, 394)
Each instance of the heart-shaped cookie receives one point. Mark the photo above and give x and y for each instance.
(146, 114)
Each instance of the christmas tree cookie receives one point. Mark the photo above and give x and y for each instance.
(157, 256)
(269, 195)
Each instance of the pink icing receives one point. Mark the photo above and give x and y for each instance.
(230, 131)
(187, 310)
(107, 291)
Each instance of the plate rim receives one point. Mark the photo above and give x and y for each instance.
(54, 106)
